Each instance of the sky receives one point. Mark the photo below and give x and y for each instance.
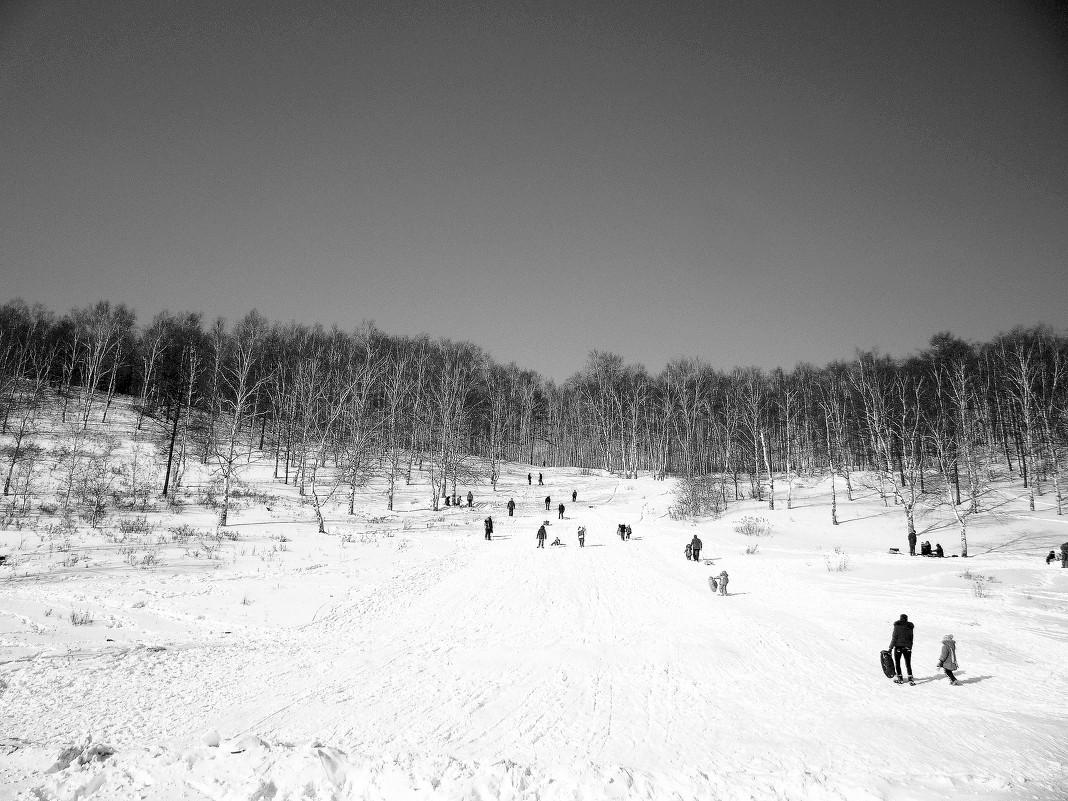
(747, 183)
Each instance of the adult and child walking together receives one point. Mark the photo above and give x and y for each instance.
(901, 647)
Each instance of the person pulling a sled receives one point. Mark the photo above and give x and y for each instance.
(901, 646)
(695, 548)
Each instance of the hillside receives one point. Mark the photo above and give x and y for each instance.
(401, 655)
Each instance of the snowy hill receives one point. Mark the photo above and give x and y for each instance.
(401, 655)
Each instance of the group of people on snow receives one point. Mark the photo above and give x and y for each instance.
(1052, 556)
(901, 647)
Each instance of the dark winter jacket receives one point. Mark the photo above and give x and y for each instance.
(542, 534)
(489, 525)
(696, 544)
(902, 637)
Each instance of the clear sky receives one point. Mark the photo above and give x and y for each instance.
(745, 182)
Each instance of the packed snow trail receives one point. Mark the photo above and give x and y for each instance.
(604, 671)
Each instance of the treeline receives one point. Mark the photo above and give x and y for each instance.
(363, 402)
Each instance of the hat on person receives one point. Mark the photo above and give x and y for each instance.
(903, 617)
(948, 637)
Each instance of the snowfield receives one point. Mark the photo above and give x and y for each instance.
(402, 656)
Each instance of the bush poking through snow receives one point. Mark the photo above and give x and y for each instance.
(83, 618)
(753, 526)
(751, 549)
(839, 562)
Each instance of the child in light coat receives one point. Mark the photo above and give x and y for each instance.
(947, 660)
(723, 579)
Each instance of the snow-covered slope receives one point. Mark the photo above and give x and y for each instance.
(404, 656)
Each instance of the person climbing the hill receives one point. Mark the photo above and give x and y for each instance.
(560, 510)
(548, 500)
(542, 534)
(511, 506)
(582, 536)
(938, 550)
(1051, 557)
(489, 528)
(574, 496)
(628, 530)
(912, 543)
(470, 499)
(947, 660)
(695, 548)
(901, 646)
(723, 579)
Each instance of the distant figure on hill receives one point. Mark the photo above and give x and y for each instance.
(560, 510)
(548, 500)
(574, 496)
(695, 548)
(542, 534)
(1064, 555)
(470, 499)
(511, 506)
(901, 646)
(489, 528)
(947, 660)
(723, 579)
(912, 543)
(539, 479)
(530, 478)
(1051, 557)
(938, 550)
(621, 530)
(582, 536)
(628, 531)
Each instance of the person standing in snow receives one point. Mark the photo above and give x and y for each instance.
(689, 551)
(723, 579)
(560, 510)
(542, 534)
(539, 479)
(628, 531)
(511, 506)
(1051, 556)
(621, 530)
(530, 478)
(582, 536)
(912, 543)
(470, 499)
(947, 660)
(695, 548)
(1064, 555)
(901, 646)
(548, 500)
(489, 528)
(574, 496)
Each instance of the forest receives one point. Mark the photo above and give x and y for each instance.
(333, 408)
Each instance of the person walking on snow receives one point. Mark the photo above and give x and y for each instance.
(470, 499)
(1051, 556)
(947, 660)
(689, 551)
(530, 478)
(723, 579)
(560, 509)
(548, 500)
(574, 496)
(489, 528)
(695, 548)
(628, 531)
(621, 530)
(582, 536)
(912, 543)
(542, 534)
(901, 646)
(539, 479)
(511, 506)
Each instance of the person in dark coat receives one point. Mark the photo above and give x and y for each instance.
(627, 529)
(1052, 557)
(470, 498)
(938, 550)
(448, 500)
(947, 660)
(542, 534)
(621, 530)
(548, 500)
(912, 543)
(511, 506)
(530, 478)
(560, 510)
(1064, 555)
(489, 528)
(695, 548)
(901, 646)
(539, 479)
(574, 496)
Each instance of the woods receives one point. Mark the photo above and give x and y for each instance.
(331, 408)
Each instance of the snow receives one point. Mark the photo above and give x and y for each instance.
(402, 656)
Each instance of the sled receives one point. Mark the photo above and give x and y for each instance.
(887, 662)
(713, 584)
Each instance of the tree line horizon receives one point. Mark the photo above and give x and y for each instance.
(931, 426)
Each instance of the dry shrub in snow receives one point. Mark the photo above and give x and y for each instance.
(751, 549)
(838, 562)
(753, 526)
(84, 618)
(696, 496)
